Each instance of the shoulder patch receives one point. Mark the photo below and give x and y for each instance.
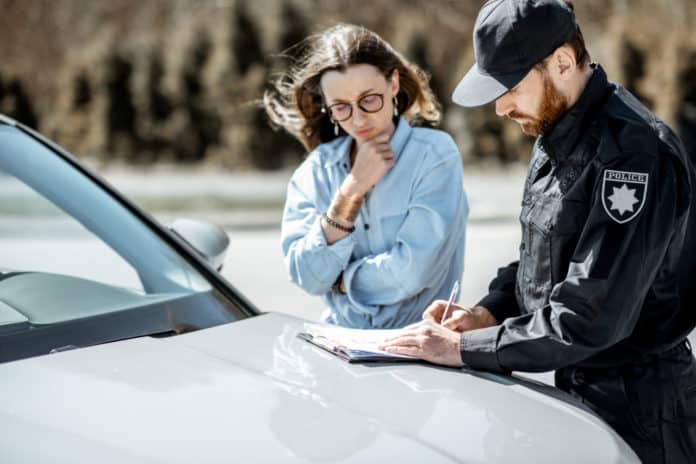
(623, 194)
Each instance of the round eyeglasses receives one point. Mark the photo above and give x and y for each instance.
(370, 103)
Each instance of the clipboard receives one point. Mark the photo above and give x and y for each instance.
(352, 345)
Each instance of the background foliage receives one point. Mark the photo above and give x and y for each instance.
(176, 80)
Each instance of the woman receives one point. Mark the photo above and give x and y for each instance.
(374, 219)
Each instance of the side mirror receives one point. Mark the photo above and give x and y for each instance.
(209, 240)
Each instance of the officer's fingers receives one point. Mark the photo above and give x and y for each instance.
(434, 311)
(406, 350)
(406, 340)
(405, 333)
(411, 326)
(460, 320)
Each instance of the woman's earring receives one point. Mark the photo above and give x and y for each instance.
(323, 110)
(396, 106)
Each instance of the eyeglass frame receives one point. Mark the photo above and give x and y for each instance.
(327, 109)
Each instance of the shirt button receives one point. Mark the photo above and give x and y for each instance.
(366, 226)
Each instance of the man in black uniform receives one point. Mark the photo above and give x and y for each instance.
(603, 291)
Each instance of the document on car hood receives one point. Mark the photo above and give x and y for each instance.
(352, 345)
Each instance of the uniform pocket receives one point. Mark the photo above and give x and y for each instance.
(537, 265)
(684, 376)
(678, 424)
(689, 407)
(645, 402)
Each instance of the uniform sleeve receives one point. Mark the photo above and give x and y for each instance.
(311, 262)
(599, 301)
(421, 255)
(501, 300)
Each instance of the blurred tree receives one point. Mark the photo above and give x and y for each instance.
(175, 92)
(195, 61)
(270, 148)
(633, 67)
(203, 120)
(686, 113)
(294, 30)
(2, 91)
(419, 52)
(16, 104)
(159, 105)
(246, 40)
(82, 92)
(121, 112)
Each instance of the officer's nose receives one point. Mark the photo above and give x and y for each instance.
(503, 105)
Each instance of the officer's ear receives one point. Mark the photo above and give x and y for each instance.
(562, 63)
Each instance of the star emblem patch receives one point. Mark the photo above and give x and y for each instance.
(623, 194)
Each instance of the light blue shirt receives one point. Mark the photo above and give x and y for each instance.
(408, 245)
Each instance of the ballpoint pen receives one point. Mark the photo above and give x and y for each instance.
(452, 297)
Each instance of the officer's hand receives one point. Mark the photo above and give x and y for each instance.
(459, 318)
(436, 309)
(429, 341)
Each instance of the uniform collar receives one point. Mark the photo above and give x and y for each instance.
(342, 145)
(564, 135)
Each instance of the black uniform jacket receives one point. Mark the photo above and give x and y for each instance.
(604, 222)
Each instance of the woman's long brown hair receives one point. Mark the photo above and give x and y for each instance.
(294, 100)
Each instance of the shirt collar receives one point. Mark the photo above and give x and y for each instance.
(341, 150)
(564, 135)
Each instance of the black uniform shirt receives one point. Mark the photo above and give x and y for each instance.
(604, 220)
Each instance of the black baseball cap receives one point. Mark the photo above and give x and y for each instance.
(510, 37)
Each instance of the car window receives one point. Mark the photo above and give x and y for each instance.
(36, 235)
(68, 249)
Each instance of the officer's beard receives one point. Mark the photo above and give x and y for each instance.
(552, 107)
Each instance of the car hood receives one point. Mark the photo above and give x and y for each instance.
(251, 391)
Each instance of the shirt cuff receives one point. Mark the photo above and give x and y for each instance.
(501, 305)
(478, 349)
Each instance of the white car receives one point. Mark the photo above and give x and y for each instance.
(159, 360)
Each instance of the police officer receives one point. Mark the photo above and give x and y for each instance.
(603, 291)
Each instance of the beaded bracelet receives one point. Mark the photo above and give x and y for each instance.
(338, 226)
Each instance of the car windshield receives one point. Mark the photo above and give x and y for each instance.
(77, 267)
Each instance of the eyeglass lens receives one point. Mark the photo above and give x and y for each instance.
(370, 103)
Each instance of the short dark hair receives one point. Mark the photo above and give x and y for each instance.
(577, 42)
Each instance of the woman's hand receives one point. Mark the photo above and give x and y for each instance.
(373, 159)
